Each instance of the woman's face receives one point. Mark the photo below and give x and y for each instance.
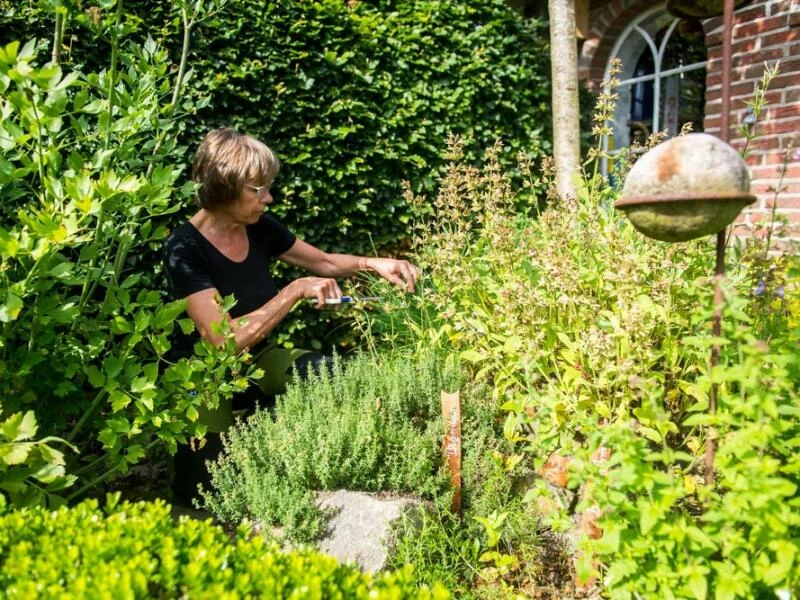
(251, 202)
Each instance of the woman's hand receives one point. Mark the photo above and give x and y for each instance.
(399, 272)
(319, 288)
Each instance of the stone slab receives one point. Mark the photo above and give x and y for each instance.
(359, 526)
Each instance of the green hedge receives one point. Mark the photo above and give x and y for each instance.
(139, 551)
(358, 96)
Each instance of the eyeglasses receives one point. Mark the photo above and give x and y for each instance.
(260, 190)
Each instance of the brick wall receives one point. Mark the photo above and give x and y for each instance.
(605, 25)
(765, 30)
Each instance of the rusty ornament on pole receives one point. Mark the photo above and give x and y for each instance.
(698, 9)
(685, 188)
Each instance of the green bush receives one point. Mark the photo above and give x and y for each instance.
(89, 165)
(139, 551)
(366, 425)
(593, 336)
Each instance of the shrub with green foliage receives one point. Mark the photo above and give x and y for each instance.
(138, 550)
(366, 425)
(89, 165)
(592, 337)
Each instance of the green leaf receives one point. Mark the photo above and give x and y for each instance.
(141, 321)
(20, 427)
(15, 453)
(11, 309)
(96, 378)
(112, 366)
(649, 515)
(166, 315)
(119, 400)
(48, 473)
(698, 585)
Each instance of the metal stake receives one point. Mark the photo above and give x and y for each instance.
(719, 275)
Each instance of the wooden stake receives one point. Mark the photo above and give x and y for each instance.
(451, 445)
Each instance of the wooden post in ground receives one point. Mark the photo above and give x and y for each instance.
(451, 445)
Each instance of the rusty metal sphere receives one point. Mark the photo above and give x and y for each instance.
(687, 187)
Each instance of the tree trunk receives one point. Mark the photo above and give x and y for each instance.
(566, 113)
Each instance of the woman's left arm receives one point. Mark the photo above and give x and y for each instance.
(302, 254)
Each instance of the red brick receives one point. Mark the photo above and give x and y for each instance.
(760, 142)
(784, 6)
(749, 13)
(738, 47)
(791, 95)
(780, 126)
(784, 36)
(774, 171)
(777, 156)
(714, 100)
(743, 88)
(784, 202)
(782, 112)
(757, 26)
(789, 68)
(767, 187)
(791, 143)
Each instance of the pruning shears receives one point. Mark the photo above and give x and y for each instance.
(349, 300)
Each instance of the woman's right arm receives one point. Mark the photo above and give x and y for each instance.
(204, 309)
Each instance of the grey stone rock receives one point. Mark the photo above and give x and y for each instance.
(359, 526)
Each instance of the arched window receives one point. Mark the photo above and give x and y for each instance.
(662, 82)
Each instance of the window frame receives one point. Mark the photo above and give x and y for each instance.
(651, 15)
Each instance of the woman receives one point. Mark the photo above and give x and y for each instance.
(227, 248)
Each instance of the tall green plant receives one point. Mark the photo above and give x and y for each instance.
(90, 165)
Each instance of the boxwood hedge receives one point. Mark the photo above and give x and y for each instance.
(137, 550)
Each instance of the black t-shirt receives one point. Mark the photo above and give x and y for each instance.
(192, 264)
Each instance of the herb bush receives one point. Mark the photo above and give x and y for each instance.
(138, 550)
(368, 424)
(592, 337)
